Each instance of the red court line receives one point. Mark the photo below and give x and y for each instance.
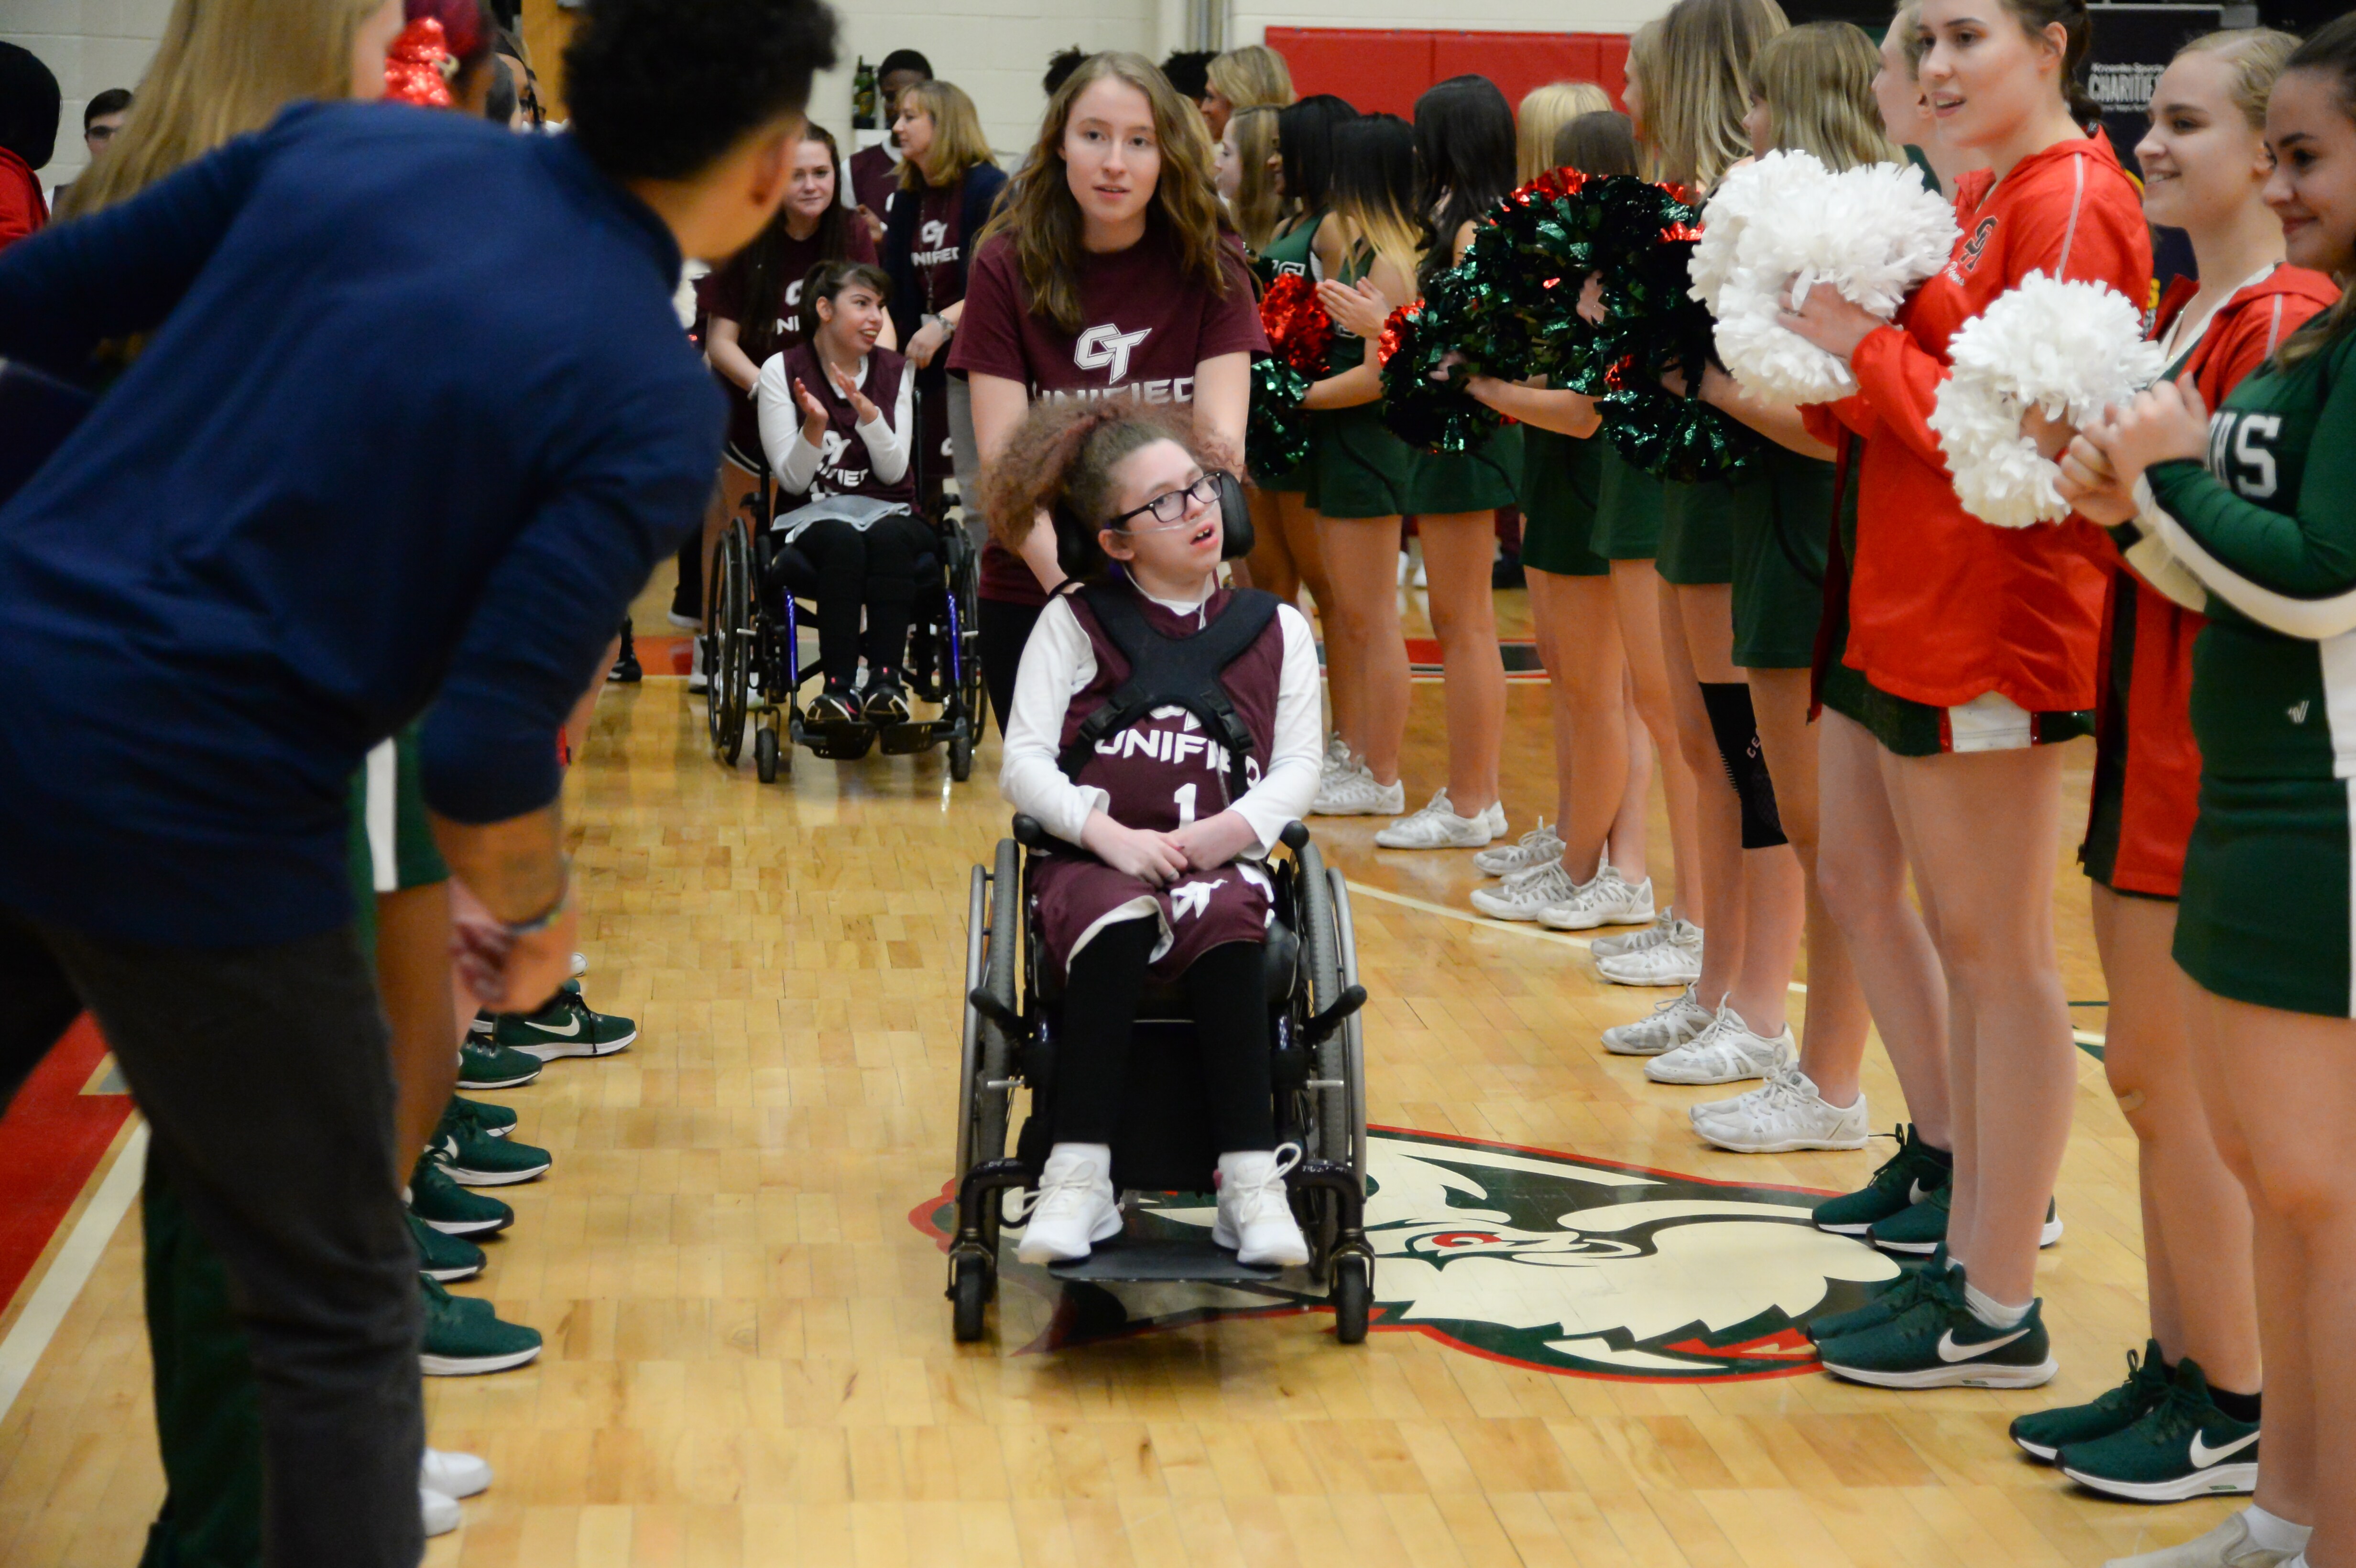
(51, 1141)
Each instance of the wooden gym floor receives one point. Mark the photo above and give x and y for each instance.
(748, 1355)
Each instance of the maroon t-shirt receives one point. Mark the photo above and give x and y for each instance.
(940, 241)
(1150, 325)
(843, 466)
(722, 295)
(875, 178)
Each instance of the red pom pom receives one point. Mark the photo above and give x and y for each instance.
(1297, 325)
(1388, 344)
(413, 66)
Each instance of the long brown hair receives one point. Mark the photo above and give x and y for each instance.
(1258, 206)
(1817, 82)
(1043, 219)
(2331, 53)
(224, 68)
(1694, 88)
(761, 265)
(1544, 113)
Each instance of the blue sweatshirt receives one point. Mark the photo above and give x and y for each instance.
(414, 422)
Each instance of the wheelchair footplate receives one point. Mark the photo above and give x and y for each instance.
(835, 743)
(1123, 1261)
(905, 739)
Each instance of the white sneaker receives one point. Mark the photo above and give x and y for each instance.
(1673, 960)
(1671, 1024)
(453, 1474)
(1725, 1053)
(1355, 794)
(1787, 1114)
(1541, 846)
(697, 680)
(440, 1514)
(1522, 895)
(1606, 898)
(2227, 1546)
(1651, 935)
(1075, 1208)
(1337, 762)
(1437, 827)
(1255, 1213)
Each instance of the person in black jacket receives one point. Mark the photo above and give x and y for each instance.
(950, 183)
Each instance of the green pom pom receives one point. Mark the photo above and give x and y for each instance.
(1276, 436)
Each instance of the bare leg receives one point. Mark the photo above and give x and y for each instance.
(1270, 566)
(2283, 1083)
(1982, 830)
(1834, 1047)
(412, 976)
(1362, 562)
(1579, 643)
(2196, 1220)
(1631, 825)
(1861, 873)
(1457, 552)
(1635, 590)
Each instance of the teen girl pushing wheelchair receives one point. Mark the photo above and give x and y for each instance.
(1163, 821)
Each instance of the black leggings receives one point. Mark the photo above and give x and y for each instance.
(1224, 993)
(874, 570)
(1005, 628)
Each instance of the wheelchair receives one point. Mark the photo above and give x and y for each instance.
(758, 596)
(1012, 1022)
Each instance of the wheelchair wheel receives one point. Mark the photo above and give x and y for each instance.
(764, 754)
(728, 612)
(1353, 1297)
(1001, 977)
(960, 758)
(969, 1299)
(1320, 942)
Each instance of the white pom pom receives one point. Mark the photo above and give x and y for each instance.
(1869, 233)
(2064, 349)
(1757, 186)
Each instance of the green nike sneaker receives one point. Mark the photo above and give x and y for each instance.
(1924, 1228)
(1895, 1297)
(450, 1208)
(1938, 1343)
(2183, 1447)
(443, 1257)
(496, 1121)
(475, 1159)
(1904, 1179)
(463, 1337)
(2047, 1432)
(566, 1027)
(482, 1065)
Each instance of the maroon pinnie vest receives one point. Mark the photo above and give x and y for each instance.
(1165, 771)
(842, 467)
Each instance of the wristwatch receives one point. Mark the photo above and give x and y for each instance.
(549, 916)
(948, 327)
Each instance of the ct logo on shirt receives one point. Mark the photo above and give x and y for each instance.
(831, 449)
(1108, 348)
(932, 234)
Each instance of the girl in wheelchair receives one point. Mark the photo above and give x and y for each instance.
(1165, 808)
(835, 423)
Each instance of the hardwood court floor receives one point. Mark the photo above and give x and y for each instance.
(748, 1355)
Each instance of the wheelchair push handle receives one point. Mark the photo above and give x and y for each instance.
(1295, 836)
(1316, 1029)
(1029, 831)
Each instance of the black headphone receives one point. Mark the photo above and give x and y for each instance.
(1077, 552)
(1235, 518)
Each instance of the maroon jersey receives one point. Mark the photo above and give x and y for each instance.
(1149, 323)
(842, 464)
(722, 295)
(875, 178)
(1161, 774)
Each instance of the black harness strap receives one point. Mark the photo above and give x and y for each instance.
(1173, 672)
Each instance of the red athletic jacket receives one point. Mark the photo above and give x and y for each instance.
(1942, 607)
(2151, 736)
(23, 209)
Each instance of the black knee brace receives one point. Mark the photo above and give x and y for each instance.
(1737, 729)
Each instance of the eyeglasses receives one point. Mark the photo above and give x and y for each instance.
(1169, 508)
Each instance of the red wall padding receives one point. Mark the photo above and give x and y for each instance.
(1388, 68)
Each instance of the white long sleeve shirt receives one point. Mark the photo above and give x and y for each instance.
(1059, 660)
(795, 460)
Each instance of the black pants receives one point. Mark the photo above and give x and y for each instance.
(1004, 629)
(874, 570)
(1224, 994)
(280, 1053)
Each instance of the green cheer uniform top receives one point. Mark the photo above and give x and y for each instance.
(1356, 467)
(2264, 915)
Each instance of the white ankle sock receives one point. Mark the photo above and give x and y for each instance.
(1991, 1311)
(2275, 1533)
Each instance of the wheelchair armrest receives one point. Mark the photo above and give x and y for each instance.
(1029, 832)
(1295, 836)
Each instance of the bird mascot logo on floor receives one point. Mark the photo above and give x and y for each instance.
(1542, 1259)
